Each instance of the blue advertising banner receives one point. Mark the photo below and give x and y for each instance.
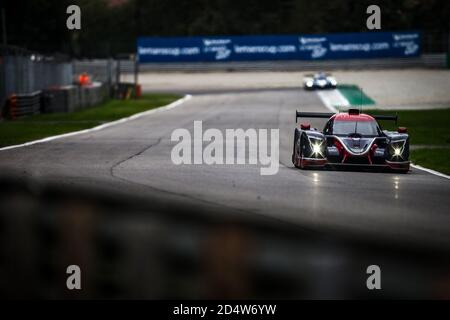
(292, 47)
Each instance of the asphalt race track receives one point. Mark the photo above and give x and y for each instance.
(135, 157)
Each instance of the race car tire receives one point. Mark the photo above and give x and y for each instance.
(294, 147)
(297, 154)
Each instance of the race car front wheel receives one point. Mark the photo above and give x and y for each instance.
(297, 152)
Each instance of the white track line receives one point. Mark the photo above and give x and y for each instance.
(436, 173)
(332, 99)
(103, 126)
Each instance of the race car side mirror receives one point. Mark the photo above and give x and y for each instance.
(305, 126)
(402, 130)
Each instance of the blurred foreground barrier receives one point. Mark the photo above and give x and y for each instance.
(153, 247)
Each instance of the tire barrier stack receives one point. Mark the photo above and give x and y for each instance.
(55, 99)
(19, 105)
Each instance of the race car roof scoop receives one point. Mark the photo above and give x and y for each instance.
(353, 112)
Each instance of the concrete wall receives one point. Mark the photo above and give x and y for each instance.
(72, 98)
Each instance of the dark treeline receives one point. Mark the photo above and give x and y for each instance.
(111, 26)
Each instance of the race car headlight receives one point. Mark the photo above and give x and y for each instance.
(397, 149)
(309, 84)
(317, 147)
(333, 82)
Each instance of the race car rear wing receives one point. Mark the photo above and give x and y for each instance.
(329, 115)
(312, 115)
(386, 117)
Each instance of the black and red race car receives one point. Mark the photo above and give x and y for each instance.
(350, 139)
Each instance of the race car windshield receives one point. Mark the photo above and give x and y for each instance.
(364, 128)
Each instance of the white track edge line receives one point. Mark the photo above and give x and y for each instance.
(326, 98)
(434, 172)
(326, 102)
(105, 125)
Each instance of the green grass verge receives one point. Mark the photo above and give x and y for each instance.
(425, 127)
(45, 125)
(436, 159)
(354, 95)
